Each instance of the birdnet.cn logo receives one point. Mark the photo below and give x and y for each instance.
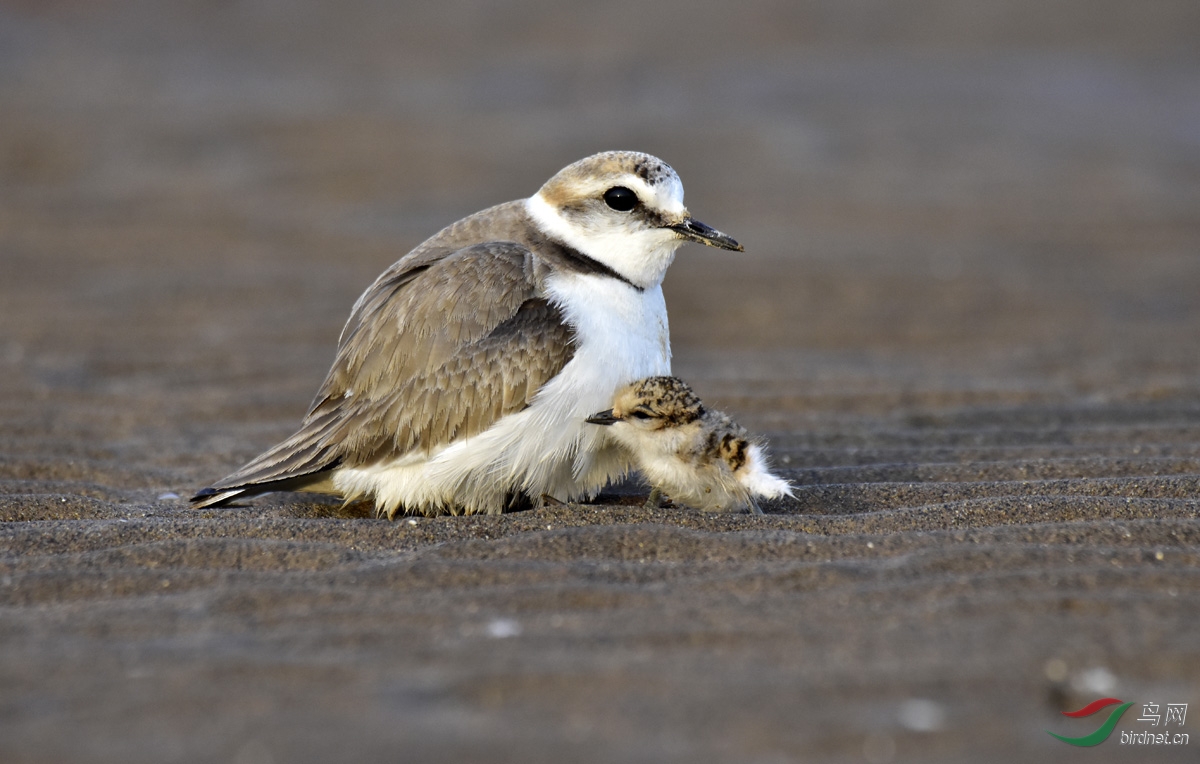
(1162, 724)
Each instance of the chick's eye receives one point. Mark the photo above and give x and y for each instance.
(620, 199)
(639, 414)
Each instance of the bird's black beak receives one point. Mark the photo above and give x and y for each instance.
(604, 418)
(694, 230)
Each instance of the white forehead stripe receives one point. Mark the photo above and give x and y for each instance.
(665, 196)
(669, 194)
(671, 187)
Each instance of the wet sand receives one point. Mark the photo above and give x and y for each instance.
(966, 320)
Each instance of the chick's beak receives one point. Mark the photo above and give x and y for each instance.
(694, 230)
(603, 417)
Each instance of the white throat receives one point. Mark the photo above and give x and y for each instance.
(640, 255)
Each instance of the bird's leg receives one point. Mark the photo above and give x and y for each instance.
(754, 508)
(550, 501)
(654, 501)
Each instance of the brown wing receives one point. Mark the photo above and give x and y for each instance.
(432, 352)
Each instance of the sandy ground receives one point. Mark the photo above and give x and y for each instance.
(967, 321)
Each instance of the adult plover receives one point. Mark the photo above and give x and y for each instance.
(465, 372)
(696, 456)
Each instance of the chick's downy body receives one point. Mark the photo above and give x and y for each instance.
(697, 456)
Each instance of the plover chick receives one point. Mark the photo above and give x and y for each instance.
(465, 372)
(697, 456)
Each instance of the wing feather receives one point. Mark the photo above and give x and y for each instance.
(432, 352)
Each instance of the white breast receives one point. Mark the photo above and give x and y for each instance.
(623, 330)
(621, 335)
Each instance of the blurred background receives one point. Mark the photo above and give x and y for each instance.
(976, 187)
(972, 236)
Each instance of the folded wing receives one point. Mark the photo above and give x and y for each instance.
(434, 351)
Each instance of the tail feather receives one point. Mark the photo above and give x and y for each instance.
(215, 496)
(302, 462)
(211, 497)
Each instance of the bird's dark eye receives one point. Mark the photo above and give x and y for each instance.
(639, 414)
(620, 199)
